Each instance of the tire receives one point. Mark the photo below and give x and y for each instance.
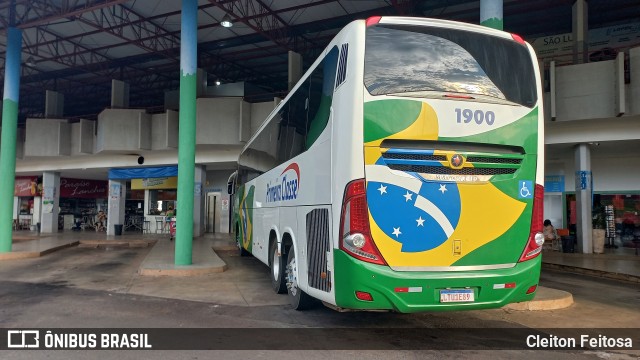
(241, 250)
(299, 299)
(276, 265)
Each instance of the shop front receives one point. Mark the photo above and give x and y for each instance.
(161, 197)
(26, 209)
(80, 202)
(617, 213)
(151, 197)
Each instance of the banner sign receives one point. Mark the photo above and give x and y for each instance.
(155, 183)
(27, 186)
(79, 188)
(560, 46)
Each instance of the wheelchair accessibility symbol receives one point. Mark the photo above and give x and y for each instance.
(525, 189)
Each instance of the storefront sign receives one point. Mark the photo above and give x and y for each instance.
(155, 183)
(27, 186)
(79, 188)
(553, 183)
(612, 37)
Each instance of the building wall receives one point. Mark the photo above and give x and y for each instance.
(217, 121)
(123, 130)
(217, 183)
(47, 137)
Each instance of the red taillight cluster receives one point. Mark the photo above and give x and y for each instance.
(373, 20)
(355, 235)
(518, 39)
(536, 238)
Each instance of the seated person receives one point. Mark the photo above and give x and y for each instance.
(550, 234)
(101, 221)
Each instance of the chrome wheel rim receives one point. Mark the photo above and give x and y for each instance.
(275, 264)
(292, 280)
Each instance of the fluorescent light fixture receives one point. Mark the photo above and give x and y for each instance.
(226, 21)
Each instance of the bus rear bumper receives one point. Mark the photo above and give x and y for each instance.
(409, 291)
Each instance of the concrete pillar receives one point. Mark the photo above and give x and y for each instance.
(295, 68)
(199, 200)
(50, 202)
(115, 212)
(583, 198)
(15, 208)
(201, 83)
(580, 29)
(187, 134)
(119, 94)
(634, 85)
(37, 210)
(9, 132)
(53, 105)
(491, 14)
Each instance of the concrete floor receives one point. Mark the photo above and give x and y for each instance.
(100, 287)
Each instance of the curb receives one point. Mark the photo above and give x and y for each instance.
(546, 299)
(16, 255)
(592, 272)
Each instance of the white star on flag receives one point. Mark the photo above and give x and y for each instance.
(443, 188)
(382, 189)
(408, 196)
(396, 232)
(420, 221)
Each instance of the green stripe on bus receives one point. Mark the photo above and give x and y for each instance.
(387, 117)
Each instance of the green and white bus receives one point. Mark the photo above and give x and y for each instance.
(403, 172)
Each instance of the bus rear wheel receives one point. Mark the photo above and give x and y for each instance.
(276, 265)
(299, 299)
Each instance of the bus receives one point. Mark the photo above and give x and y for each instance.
(403, 172)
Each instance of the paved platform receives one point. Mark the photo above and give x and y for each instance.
(37, 247)
(619, 264)
(160, 261)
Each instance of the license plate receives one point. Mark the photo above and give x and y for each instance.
(459, 295)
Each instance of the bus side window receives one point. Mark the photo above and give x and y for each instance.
(321, 84)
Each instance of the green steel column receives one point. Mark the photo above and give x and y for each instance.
(491, 14)
(8, 140)
(187, 132)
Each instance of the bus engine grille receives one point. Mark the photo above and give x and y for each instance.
(405, 156)
(441, 170)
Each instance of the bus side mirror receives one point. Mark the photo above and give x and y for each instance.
(231, 183)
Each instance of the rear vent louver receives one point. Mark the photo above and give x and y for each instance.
(342, 65)
(318, 249)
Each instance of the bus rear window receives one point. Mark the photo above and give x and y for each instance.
(420, 59)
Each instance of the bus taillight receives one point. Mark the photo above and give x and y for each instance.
(373, 20)
(536, 238)
(355, 235)
(518, 39)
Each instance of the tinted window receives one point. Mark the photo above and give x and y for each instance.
(404, 58)
(297, 124)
